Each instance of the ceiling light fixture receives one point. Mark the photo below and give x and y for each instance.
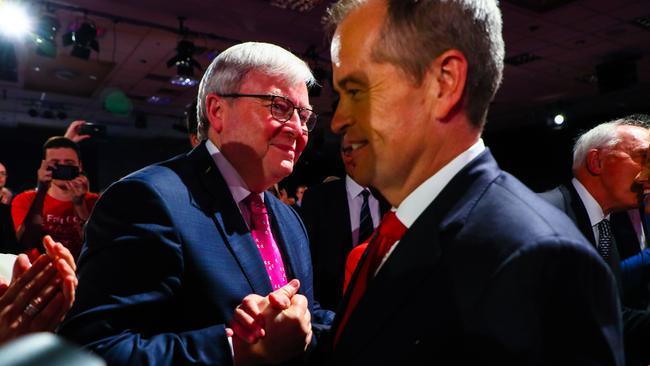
(184, 60)
(45, 35)
(83, 38)
(14, 21)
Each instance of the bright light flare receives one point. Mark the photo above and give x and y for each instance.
(558, 119)
(14, 21)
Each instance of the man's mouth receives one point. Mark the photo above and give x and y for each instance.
(351, 147)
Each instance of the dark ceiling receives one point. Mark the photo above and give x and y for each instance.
(588, 58)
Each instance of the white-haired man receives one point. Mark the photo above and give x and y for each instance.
(606, 161)
(171, 250)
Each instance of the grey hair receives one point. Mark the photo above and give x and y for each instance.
(227, 71)
(605, 135)
(416, 32)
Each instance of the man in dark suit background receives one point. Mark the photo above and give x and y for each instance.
(472, 267)
(338, 218)
(606, 161)
(172, 249)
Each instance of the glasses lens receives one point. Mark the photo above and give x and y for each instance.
(281, 108)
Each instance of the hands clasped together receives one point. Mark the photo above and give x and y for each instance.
(40, 293)
(271, 329)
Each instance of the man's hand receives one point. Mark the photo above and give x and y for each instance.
(248, 320)
(44, 174)
(78, 187)
(73, 131)
(34, 301)
(271, 329)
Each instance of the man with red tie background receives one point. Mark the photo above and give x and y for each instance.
(472, 267)
(172, 249)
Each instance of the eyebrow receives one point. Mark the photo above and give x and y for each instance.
(355, 78)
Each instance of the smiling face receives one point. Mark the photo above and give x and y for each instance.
(261, 149)
(384, 116)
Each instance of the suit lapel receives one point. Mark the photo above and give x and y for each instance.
(416, 257)
(285, 237)
(341, 209)
(578, 212)
(220, 205)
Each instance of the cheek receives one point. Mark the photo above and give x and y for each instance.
(301, 143)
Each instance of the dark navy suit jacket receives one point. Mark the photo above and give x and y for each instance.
(488, 274)
(167, 259)
(636, 323)
(326, 214)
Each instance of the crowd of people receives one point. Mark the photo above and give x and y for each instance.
(426, 251)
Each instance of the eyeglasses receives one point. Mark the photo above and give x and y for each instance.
(282, 109)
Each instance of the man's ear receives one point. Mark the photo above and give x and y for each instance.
(593, 161)
(214, 111)
(450, 73)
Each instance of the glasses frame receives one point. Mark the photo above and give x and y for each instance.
(307, 125)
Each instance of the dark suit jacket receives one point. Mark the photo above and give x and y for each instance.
(636, 323)
(626, 238)
(167, 259)
(326, 215)
(488, 274)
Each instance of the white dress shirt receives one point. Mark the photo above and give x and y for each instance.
(594, 211)
(417, 201)
(355, 201)
(238, 188)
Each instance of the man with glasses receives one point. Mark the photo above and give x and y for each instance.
(172, 249)
(606, 161)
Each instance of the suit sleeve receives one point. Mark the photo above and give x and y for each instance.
(581, 321)
(130, 281)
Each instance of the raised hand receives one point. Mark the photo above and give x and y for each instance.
(40, 294)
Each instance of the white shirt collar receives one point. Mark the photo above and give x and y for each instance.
(594, 211)
(353, 188)
(238, 188)
(418, 200)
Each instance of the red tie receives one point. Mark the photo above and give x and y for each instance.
(390, 230)
(261, 232)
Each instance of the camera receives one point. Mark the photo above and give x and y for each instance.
(93, 129)
(65, 172)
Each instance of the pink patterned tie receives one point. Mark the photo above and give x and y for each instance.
(261, 232)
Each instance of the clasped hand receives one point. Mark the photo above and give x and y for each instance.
(40, 294)
(271, 329)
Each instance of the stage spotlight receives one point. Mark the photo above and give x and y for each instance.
(83, 39)
(45, 35)
(14, 21)
(556, 120)
(185, 64)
